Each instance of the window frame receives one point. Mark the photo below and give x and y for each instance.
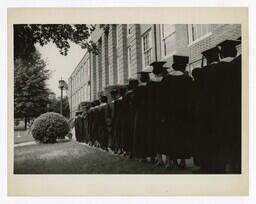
(150, 48)
(129, 55)
(190, 33)
(163, 38)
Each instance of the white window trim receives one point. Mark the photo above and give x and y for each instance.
(150, 48)
(168, 56)
(161, 43)
(129, 61)
(117, 56)
(198, 39)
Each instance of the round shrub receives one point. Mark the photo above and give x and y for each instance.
(49, 127)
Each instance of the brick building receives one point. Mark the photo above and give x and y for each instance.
(125, 49)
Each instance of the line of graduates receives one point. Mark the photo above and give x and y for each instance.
(174, 114)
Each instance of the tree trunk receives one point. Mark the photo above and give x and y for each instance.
(26, 122)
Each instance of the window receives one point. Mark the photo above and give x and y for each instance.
(147, 48)
(167, 39)
(129, 61)
(198, 31)
(88, 69)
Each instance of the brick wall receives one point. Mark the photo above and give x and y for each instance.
(220, 32)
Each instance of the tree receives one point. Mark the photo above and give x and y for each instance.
(30, 90)
(27, 35)
(55, 106)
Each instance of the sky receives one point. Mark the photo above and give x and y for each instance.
(60, 66)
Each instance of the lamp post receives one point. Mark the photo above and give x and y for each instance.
(61, 86)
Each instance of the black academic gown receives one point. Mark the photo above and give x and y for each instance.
(102, 126)
(117, 123)
(111, 122)
(85, 127)
(204, 115)
(128, 110)
(237, 109)
(155, 109)
(229, 109)
(94, 125)
(76, 128)
(89, 121)
(197, 98)
(140, 136)
(224, 114)
(178, 117)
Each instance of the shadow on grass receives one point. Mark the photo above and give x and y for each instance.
(74, 158)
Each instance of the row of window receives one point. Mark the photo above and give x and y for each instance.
(83, 94)
(167, 31)
(81, 77)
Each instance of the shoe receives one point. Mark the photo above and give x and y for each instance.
(159, 163)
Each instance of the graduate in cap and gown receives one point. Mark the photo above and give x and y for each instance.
(85, 124)
(78, 125)
(203, 109)
(110, 118)
(128, 110)
(102, 125)
(118, 121)
(177, 131)
(140, 136)
(94, 123)
(227, 74)
(155, 113)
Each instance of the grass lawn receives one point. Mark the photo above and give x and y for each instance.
(21, 136)
(75, 158)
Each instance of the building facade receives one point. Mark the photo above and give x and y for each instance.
(125, 49)
(79, 88)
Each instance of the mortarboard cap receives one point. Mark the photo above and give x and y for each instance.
(229, 43)
(143, 73)
(177, 59)
(114, 91)
(211, 54)
(157, 66)
(144, 76)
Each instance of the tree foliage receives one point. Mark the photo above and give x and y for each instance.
(27, 35)
(55, 106)
(30, 90)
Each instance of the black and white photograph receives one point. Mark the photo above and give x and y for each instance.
(127, 98)
(151, 103)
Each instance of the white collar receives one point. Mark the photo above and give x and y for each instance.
(103, 104)
(229, 59)
(176, 73)
(157, 78)
(143, 84)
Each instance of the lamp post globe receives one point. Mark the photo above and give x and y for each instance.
(61, 86)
